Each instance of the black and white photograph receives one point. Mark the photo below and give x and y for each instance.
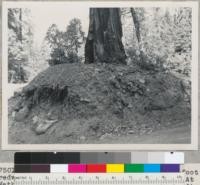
(100, 75)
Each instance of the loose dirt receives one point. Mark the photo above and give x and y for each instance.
(97, 103)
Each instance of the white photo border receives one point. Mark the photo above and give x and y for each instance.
(104, 147)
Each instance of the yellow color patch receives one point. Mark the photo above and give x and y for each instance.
(115, 168)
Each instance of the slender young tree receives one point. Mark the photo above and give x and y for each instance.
(136, 24)
(20, 28)
(104, 40)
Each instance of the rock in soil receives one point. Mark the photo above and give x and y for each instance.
(106, 136)
(43, 127)
(22, 114)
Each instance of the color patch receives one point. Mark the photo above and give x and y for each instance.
(22, 158)
(22, 168)
(156, 158)
(58, 168)
(151, 168)
(88, 158)
(77, 168)
(122, 157)
(174, 158)
(96, 168)
(105, 157)
(115, 168)
(133, 168)
(40, 168)
(139, 157)
(170, 168)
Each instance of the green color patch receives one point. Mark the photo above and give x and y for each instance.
(134, 168)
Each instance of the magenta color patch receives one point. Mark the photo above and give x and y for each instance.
(77, 168)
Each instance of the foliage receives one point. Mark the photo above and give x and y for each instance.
(54, 36)
(74, 35)
(63, 46)
(20, 44)
(165, 37)
(58, 56)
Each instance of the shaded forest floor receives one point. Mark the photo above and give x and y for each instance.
(77, 103)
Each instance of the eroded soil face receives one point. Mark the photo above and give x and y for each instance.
(77, 103)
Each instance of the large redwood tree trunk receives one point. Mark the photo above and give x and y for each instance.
(104, 41)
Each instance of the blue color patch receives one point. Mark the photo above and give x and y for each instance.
(151, 168)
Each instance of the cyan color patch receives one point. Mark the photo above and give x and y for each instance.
(151, 168)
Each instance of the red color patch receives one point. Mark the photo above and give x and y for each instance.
(96, 168)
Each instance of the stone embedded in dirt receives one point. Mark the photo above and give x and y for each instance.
(97, 70)
(13, 114)
(35, 119)
(149, 131)
(106, 136)
(130, 105)
(22, 114)
(142, 81)
(82, 138)
(86, 100)
(51, 121)
(51, 115)
(18, 106)
(131, 132)
(43, 127)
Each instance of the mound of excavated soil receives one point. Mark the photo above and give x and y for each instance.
(77, 103)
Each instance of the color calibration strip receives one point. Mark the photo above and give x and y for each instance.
(99, 158)
(98, 168)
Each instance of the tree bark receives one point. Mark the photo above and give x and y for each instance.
(104, 41)
(137, 31)
(136, 24)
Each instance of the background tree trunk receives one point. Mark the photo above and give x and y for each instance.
(20, 28)
(137, 31)
(104, 41)
(136, 24)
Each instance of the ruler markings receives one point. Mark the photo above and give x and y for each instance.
(139, 179)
